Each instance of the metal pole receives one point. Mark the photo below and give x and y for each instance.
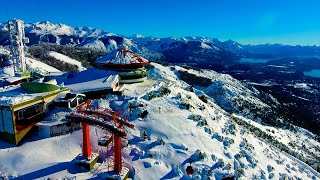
(117, 154)
(86, 146)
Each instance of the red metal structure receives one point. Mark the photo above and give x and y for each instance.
(104, 119)
(86, 145)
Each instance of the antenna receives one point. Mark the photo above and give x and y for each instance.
(17, 47)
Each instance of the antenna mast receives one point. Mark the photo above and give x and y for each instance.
(17, 47)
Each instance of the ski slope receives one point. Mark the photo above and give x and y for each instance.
(38, 65)
(66, 59)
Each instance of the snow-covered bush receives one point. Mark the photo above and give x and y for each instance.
(203, 98)
(201, 121)
(206, 173)
(208, 130)
(137, 152)
(220, 163)
(198, 156)
(186, 105)
(271, 175)
(145, 135)
(195, 80)
(227, 142)
(135, 103)
(227, 167)
(270, 168)
(240, 172)
(201, 107)
(160, 141)
(213, 157)
(152, 153)
(228, 154)
(162, 91)
(143, 114)
(217, 137)
(178, 171)
(229, 128)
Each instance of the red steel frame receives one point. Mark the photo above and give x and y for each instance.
(84, 108)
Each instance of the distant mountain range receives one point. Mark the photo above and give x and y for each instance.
(172, 49)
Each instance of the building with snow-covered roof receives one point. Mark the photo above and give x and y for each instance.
(98, 87)
(131, 65)
(21, 110)
(121, 59)
(13, 80)
(69, 100)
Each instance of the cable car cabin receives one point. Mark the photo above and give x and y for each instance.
(19, 112)
(69, 100)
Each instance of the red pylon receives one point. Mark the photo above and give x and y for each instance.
(86, 146)
(117, 154)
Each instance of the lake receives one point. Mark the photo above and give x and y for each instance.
(253, 60)
(313, 73)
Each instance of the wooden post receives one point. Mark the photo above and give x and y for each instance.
(86, 146)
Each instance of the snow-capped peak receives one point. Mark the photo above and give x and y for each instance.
(205, 46)
(137, 36)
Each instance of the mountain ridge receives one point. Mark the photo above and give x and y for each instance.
(63, 34)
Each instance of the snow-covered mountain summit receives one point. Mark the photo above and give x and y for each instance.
(56, 33)
(176, 123)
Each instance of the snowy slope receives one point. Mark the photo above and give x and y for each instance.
(177, 126)
(241, 152)
(33, 64)
(66, 59)
(40, 156)
(96, 44)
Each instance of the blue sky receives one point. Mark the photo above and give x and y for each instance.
(246, 21)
